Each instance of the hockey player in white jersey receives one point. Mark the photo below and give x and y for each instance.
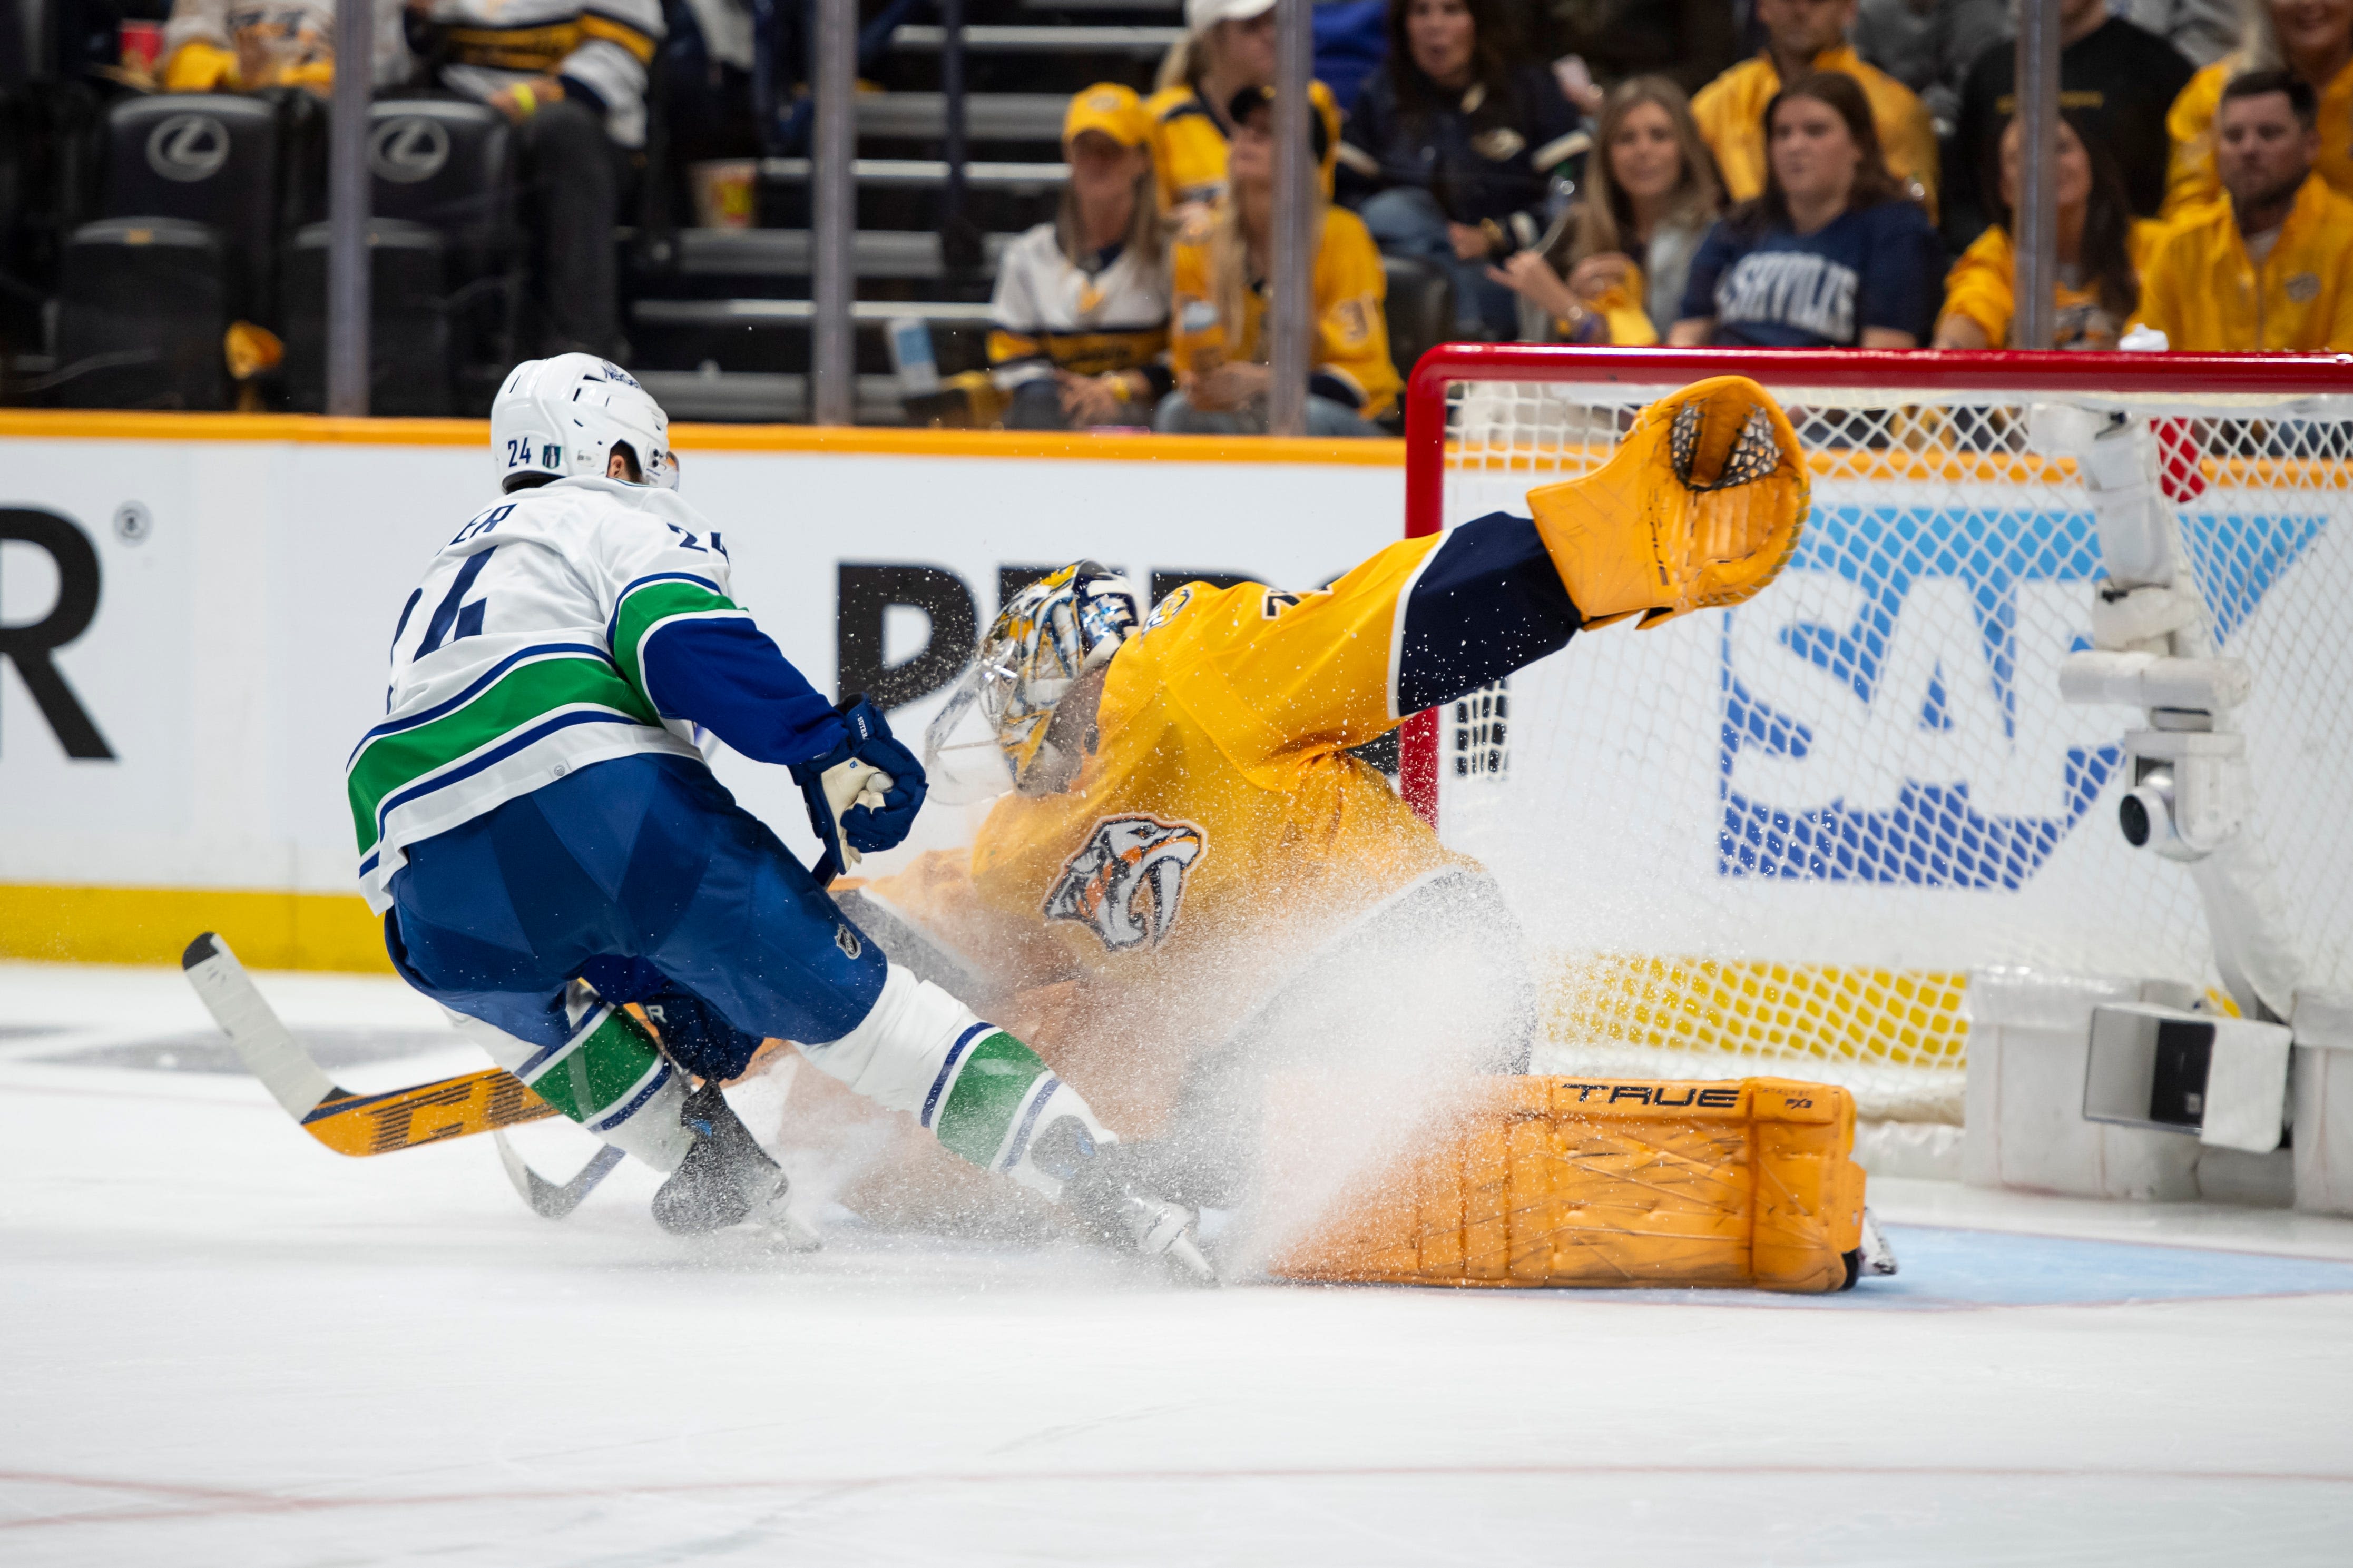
(545, 842)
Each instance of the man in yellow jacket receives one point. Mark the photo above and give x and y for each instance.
(1219, 343)
(2321, 54)
(2271, 267)
(1804, 36)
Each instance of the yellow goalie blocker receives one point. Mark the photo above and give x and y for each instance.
(1589, 1182)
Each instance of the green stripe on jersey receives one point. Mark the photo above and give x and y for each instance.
(588, 1078)
(524, 693)
(988, 1092)
(646, 608)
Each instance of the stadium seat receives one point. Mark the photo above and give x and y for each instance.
(184, 244)
(1419, 312)
(411, 358)
(443, 254)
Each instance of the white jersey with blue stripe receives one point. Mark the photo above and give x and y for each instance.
(521, 657)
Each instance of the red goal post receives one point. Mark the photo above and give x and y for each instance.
(1865, 778)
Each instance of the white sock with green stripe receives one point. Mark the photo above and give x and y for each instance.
(981, 1092)
(607, 1075)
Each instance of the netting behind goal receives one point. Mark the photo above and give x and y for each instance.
(1791, 828)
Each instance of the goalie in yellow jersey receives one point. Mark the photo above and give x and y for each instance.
(1191, 880)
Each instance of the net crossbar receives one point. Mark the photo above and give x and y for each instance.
(1792, 828)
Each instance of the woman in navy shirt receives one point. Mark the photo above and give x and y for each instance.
(1448, 153)
(1833, 255)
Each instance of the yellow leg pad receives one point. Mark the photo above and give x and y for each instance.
(1604, 1183)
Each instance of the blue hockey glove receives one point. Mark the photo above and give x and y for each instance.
(863, 794)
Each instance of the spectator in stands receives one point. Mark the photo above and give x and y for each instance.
(2310, 39)
(1079, 333)
(706, 68)
(218, 45)
(1832, 254)
(1228, 45)
(1686, 41)
(1650, 192)
(2101, 247)
(2202, 30)
(1929, 46)
(2271, 267)
(572, 77)
(1448, 153)
(1221, 345)
(2117, 77)
(1804, 37)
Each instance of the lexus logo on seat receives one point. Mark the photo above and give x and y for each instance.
(188, 148)
(408, 150)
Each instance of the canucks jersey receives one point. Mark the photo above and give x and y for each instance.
(1218, 830)
(584, 620)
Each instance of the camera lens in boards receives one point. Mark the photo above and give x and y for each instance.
(2131, 815)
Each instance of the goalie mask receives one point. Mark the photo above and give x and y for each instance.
(1047, 636)
(561, 416)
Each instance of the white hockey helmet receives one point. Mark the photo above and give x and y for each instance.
(561, 416)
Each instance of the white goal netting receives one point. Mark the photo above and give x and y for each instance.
(1791, 828)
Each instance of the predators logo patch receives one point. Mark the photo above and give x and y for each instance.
(1127, 883)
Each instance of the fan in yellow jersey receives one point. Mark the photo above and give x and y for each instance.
(1192, 877)
(1217, 273)
(2101, 250)
(1228, 46)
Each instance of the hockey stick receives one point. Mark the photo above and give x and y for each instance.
(376, 1124)
(356, 1124)
(547, 1200)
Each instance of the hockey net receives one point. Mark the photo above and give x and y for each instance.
(1792, 829)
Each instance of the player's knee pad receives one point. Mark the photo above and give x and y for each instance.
(607, 1074)
(982, 1093)
(694, 1034)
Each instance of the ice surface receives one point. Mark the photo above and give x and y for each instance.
(226, 1345)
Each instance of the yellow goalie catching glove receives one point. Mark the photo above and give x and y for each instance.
(1701, 506)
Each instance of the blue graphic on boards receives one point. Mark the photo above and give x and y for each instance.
(1935, 835)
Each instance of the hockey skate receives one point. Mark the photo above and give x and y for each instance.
(1106, 1188)
(1873, 1258)
(726, 1178)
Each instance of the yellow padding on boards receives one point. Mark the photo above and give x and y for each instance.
(1904, 1017)
(153, 925)
(1604, 1183)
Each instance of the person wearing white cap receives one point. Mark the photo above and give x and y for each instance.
(1228, 46)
